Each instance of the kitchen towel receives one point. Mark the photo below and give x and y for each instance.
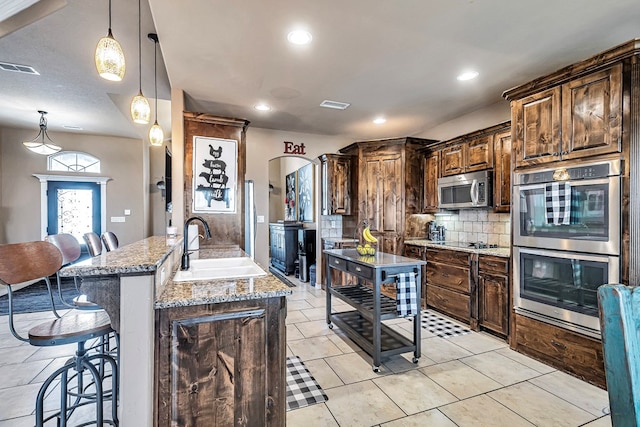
(406, 294)
(558, 203)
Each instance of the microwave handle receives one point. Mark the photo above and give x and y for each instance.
(474, 192)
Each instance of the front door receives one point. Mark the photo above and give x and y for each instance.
(74, 208)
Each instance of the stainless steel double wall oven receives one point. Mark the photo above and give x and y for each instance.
(566, 241)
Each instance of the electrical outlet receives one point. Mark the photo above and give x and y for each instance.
(260, 219)
(127, 211)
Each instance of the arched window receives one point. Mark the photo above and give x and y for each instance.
(73, 161)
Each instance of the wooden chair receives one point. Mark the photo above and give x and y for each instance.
(20, 262)
(620, 325)
(110, 241)
(94, 245)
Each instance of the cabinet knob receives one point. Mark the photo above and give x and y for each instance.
(337, 261)
(558, 345)
(555, 153)
(358, 269)
(564, 153)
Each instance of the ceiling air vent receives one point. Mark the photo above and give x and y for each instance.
(18, 68)
(334, 104)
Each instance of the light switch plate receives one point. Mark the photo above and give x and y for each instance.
(117, 219)
(260, 218)
(127, 211)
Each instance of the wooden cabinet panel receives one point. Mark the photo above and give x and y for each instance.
(382, 202)
(337, 188)
(221, 363)
(502, 172)
(536, 125)
(592, 114)
(448, 276)
(452, 159)
(447, 256)
(561, 348)
(479, 153)
(494, 303)
(449, 302)
(431, 175)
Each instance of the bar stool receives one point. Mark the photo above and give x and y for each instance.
(110, 241)
(70, 250)
(20, 262)
(94, 245)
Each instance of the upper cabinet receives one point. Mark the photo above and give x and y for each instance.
(338, 189)
(471, 155)
(581, 117)
(431, 175)
(502, 171)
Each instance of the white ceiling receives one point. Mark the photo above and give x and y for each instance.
(397, 58)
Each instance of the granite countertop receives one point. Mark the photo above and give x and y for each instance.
(182, 294)
(142, 257)
(456, 246)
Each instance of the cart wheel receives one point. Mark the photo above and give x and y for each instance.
(330, 325)
(415, 360)
(376, 369)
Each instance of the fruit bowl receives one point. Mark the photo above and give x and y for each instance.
(367, 249)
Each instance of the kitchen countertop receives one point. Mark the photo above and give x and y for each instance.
(457, 246)
(380, 259)
(182, 294)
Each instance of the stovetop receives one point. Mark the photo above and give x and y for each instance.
(472, 245)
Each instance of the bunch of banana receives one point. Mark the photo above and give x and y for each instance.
(366, 233)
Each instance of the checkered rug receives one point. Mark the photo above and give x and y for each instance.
(441, 327)
(302, 388)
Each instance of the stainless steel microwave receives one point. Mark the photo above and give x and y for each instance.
(469, 190)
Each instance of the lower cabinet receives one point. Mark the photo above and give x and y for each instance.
(563, 349)
(449, 283)
(221, 364)
(337, 277)
(283, 239)
(493, 294)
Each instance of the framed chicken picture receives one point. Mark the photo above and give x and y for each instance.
(290, 198)
(215, 175)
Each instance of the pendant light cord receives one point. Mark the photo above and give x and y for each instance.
(155, 74)
(139, 48)
(109, 15)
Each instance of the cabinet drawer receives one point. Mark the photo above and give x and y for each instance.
(448, 257)
(338, 263)
(416, 252)
(360, 270)
(452, 303)
(493, 264)
(448, 276)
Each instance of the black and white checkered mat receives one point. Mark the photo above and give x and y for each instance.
(441, 327)
(302, 389)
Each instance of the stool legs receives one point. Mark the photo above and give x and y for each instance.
(81, 363)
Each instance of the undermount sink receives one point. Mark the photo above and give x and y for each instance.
(219, 268)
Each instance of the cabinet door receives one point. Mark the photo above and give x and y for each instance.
(494, 304)
(502, 172)
(536, 125)
(431, 175)
(382, 198)
(592, 114)
(341, 189)
(479, 154)
(452, 160)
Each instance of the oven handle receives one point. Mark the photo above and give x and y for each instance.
(474, 192)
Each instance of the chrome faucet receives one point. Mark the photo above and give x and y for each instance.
(185, 234)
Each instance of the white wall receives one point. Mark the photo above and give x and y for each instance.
(476, 120)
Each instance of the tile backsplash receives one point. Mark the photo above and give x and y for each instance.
(466, 225)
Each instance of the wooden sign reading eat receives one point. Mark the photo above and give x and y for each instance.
(291, 148)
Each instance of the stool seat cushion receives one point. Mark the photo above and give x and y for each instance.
(71, 328)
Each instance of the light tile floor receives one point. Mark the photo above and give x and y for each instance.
(470, 380)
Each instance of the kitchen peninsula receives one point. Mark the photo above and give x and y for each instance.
(210, 351)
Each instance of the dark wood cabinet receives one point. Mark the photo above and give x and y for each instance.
(431, 175)
(577, 119)
(338, 277)
(563, 349)
(468, 155)
(449, 283)
(494, 302)
(337, 184)
(222, 364)
(389, 186)
(502, 171)
(284, 246)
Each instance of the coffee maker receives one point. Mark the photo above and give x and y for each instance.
(433, 233)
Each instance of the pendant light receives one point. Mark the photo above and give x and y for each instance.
(140, 109)
(156, 134)
(109, 56)
(38, 144)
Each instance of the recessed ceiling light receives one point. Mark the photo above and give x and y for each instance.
(262, 107)
(299, 37)
(467, 75)
(379, 120)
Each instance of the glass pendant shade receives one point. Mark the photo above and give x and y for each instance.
(156, 135)
(39, 144)
(140, 109)
(110, 58)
